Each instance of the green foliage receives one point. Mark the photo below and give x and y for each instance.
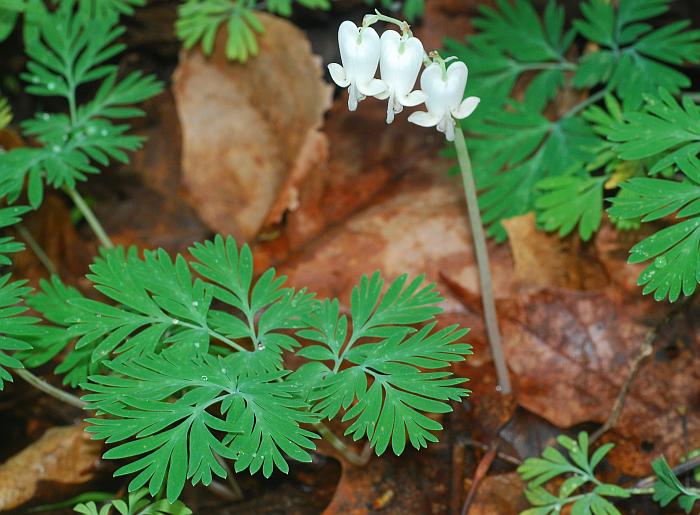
(411, 9)
(512, 40)
(633, 58)
(520, 147)
(667, 487)
(15, 327)
(381, 385)
(137, 503)
(9, 216)
(570, 201)
(9, 12)
(665, 134)
(67, 52)
(580, 487)
(185, 369)
(200, 20)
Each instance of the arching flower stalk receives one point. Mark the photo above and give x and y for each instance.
(399, 57)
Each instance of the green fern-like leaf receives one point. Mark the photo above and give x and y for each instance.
(66, 52)
(571, 201)
(519, 148)
(512, 40)
(176, 440)
(9, 216)
(675, 250)
(9, 12)
(136, 503)
(15, 328)
(634, 58)
(580, 488)
(665, 131)
(380, 385)
(667, 487)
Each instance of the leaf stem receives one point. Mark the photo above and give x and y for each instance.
(338, 444)
(482, 261)
(37, 249)
(90, 217)
(585, 103)
(45, 387)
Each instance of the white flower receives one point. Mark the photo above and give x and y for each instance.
(401, 60)
(444, 94)
(359, 51)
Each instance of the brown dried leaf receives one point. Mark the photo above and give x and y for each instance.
(251, 131)
(64, 455)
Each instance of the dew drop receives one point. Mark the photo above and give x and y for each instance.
(175, 321)
(45, 116)
(261, 346)
(103, 132)
(51, 86)
(196, 345)
(195, 303)
(205, 378)
(660, 262)
(56, 148)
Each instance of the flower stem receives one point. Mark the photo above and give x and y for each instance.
(45, 387)
(339, 445)
(36, 248)
(90, 217)
(482, 261)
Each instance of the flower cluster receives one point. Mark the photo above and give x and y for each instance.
(400, 57)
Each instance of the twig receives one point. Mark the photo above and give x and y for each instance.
(45, 387)
(481, 471)
(236, 493)
(37, 249)
(482, 262)
(500, 455)
(644, 352)
(338, 444)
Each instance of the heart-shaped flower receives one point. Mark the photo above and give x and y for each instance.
(359, 51)
(401, 60)
(444, 91)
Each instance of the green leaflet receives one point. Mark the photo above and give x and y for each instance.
(199, 21)
(381, 385)
(193, 367)
(674, 250)
(580, 488)
(15, 328)
(517, 149)
(175, 439)
(67, 51)
(634, 58)
(667, 487)
(10, 216)
(136, 503)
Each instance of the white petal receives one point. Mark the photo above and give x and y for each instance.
(372, 88)
(413, 98)
(359, 50)
(466, 107)
(444, 93)
(424, 119)
(401, 61)
(386, 93)
(338, 75)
